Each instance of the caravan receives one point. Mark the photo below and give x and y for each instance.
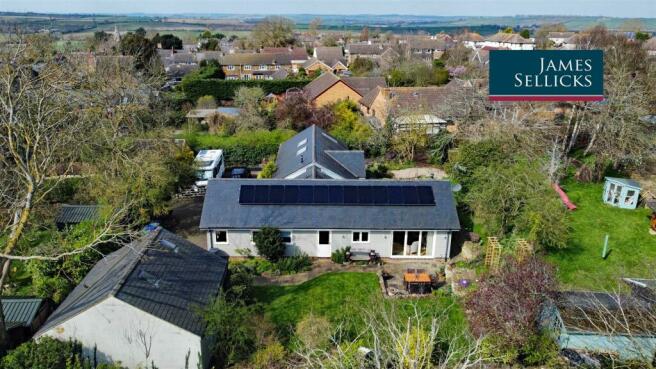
(210, 164)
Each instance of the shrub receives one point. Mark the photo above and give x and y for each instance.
(49, 353)
(269, 169)
(269, 243)
(507, 305)
(221, 89)
(339, 256)
(206, 102)
(293, 264)
(349, 127)
(314, 331)
(378, 170)
(270, 356)
(244, 148)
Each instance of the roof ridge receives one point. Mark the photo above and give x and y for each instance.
(314, 143)
(145, 241)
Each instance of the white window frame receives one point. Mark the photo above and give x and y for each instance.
(291, 237)
(231, 67)
(330, 237)
(216, 233)
(263, 67)
(360, 233)
(405, 241)
(247, 67)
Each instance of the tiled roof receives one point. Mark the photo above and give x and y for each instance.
(560, 34)
(437, 44)
(470, 36)
(159, 273)
(330, 55)
(406, 99)
(74, 214)
(510, 38)
(320, 84)
(365, 49)
(20, 311)
(364, 84)
(322, 149)
(222, 210)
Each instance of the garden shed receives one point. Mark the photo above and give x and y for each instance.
(618, 325)
(621, 192)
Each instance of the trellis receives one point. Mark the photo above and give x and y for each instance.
(493, 254)
(523, 249)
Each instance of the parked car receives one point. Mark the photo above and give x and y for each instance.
(240, 172)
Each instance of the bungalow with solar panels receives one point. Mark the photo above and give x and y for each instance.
(396, 219)
(139, 305)
(313, 153)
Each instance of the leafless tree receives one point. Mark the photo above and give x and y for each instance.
(53, 114)
(398, 340)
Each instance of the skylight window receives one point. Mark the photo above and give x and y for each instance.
(301, 150)
(154, 281)
(303, 142)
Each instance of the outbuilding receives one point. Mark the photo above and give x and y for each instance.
(140, 305)
(621, 192)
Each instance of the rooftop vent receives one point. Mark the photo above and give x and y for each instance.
(169, 245)
(154, 281)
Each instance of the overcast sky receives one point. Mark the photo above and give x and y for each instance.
(614, 8)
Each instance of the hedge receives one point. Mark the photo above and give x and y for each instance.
(246, 148)
(223, 89)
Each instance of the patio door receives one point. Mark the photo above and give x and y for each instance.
(324, 247)
(411, 244)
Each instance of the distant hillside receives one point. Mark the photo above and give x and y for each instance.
(80, 23)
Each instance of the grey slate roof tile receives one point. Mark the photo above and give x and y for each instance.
(222, 210)
(318, 143)
(146, 274)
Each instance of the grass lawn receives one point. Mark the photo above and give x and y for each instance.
(338, 297)
(633, 249)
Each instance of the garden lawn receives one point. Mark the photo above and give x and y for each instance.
(339, 297)
(632, 248)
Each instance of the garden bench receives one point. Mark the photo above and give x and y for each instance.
(369, 256)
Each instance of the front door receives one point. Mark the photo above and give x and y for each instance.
(324, 249)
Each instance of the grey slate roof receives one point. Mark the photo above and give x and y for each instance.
(20, 311)
(74, 214)
(152, 277)
(222, 210)
(321, 149)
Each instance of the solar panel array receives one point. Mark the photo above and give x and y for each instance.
(335, 195)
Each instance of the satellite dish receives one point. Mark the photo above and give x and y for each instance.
(456, 187)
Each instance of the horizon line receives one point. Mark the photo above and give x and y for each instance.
(199, 15)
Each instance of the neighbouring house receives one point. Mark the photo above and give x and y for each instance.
(329, 88)
(201, 115)
(327, 59)
(621, 192)
(71, 215)
(262, 65)
(297, 55)
(23, 317)
(471, 40)
(139, 305)
(559, 38)
(369, 51)
(396, 219)
(511, 41)
(314, 154)
(426, 48)
(600, 322)
(407, 107)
